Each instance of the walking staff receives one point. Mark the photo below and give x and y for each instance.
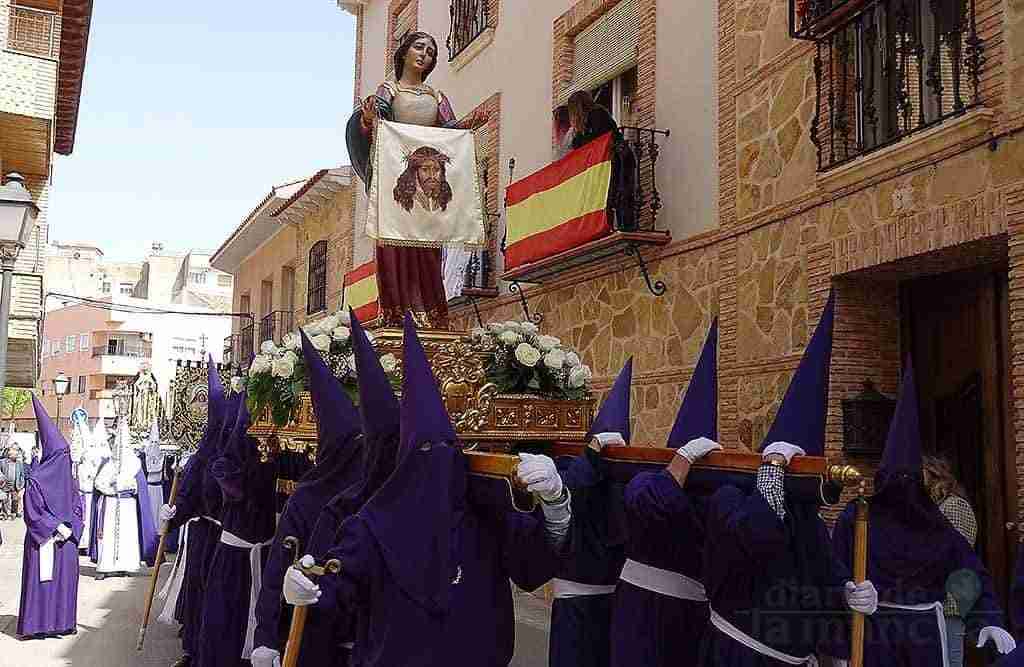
(310, 569)
(159, 558)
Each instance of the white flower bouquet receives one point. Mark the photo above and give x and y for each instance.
(526, 361)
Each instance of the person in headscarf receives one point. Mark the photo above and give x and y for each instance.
(249, 489)
(338, 456)
(660, 608)
(196, 512)
(53, 522)
(774, 589)
(425, 567)
(914, 556)
(581, 613)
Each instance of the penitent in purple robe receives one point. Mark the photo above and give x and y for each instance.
(338, 467)
(425, 565)
(661, 610)
(584, 584)
(236, 569)
(51, 499)
(912, 551)
(1017, 596)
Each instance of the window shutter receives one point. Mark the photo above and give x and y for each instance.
(605, 49)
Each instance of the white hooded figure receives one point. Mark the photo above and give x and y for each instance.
(119, 547)
(96, 452)
(153, 466)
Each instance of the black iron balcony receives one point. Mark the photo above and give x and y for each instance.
(228, 356)
(121, 349)
(811, 19)
(469, 20)
(893, 68)
(275, 325)
(246, 345)
(479, 282)
(634, 198)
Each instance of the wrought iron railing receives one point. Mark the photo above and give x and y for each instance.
(636, 208)
(892, 69)
(33, 32)
(123, 350)
(478, 271)
(228, 356)
(811, 18)
(469, 19)
(275, 325)
(246, 345)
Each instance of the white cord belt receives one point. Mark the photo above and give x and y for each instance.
(727, 628)
(933, 607)
(256, 567)
(564, 588)
(665, 582)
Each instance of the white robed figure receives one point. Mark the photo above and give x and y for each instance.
(96, 453)
(153, 466)
(124, 525)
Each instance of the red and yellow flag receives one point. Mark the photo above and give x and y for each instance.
(361, 293)
(560, 207)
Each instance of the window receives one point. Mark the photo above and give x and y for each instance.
(892, 69)
(183, 347)
(469, 20)
(46, 347)
(106, 288)
(126, 289)
(197, 277)
(81, 384)
(111, 381)
(316, 290)
(224, 280)
(83, 342)
(33, 32)
(606, 49)
(114, 345)
(69, 344)
(56, 348)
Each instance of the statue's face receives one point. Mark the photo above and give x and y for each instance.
(421, 56)
(428, 176)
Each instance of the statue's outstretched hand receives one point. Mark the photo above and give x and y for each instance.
(370, 114)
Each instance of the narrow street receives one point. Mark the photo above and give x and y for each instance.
(109, 612)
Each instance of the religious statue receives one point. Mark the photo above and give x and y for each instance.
(410, 277)
(145, 404)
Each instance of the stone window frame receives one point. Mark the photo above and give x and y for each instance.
(316, 278)
(395, 8)
(582, 15)
(482, 41)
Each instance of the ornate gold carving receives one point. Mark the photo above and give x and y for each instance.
(189, 397)
(506, 417)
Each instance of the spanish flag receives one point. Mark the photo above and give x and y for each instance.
(560, 207)
(361, 293)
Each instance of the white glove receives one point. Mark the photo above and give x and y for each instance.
(698, 448)
(862, 597)
(307, 561)
(785, 449)
(602, 440)
(265, 657)
(167, 512)
(1001, 638)
(298, 589)
(64, 531)
(540, 476)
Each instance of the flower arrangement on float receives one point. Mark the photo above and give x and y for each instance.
(277, 375)
(524, 361)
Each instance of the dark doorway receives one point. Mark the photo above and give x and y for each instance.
(957, 327)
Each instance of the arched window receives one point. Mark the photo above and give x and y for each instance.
(316, 287)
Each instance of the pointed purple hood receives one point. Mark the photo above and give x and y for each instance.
(613, 417)
(698, 415)
(52, 474)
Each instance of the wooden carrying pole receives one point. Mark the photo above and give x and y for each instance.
(860, 572)
(299, 614)
(158, 562)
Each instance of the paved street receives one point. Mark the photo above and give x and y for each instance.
(108, 621)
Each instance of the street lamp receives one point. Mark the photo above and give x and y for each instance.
(17, 219)
(61, 386)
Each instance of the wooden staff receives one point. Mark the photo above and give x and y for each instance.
(860, 572)
(294, 645)
(159, 561)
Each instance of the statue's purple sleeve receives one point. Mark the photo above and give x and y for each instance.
(445, 114)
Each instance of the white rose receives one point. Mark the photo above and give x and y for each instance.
(329, 323)
(321, 342)
(572, 359)
(237, 384)
(291, 341)
(527, 355)
(529, 327)
(341, 334)
(509, 337)
(554, 359)
(547, 343)
(495, 327)
(389, 362)
(268, 347)
(291, 357)
(260, 364)
(579, 376)
(283, 368)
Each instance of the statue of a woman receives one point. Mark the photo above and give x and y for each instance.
(408, 278)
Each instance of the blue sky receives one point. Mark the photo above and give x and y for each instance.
(191, 110)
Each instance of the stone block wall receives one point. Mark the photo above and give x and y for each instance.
(332, 221)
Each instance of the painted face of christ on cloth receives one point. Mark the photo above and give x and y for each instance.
(425, 181)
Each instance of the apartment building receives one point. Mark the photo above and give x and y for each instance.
(200, 284)
(42, 59)
(868, 147)
(80, 270)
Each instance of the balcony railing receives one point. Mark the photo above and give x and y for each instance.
(813, 18)
(637, 155)
(33, 32)
(469, 19)
(228, 355)
(275, 325)
(127, 350)
(894, 68)
(246, 342)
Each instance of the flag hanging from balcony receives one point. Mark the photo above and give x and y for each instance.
(426, 188)
(361, 292)
(560, 207)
